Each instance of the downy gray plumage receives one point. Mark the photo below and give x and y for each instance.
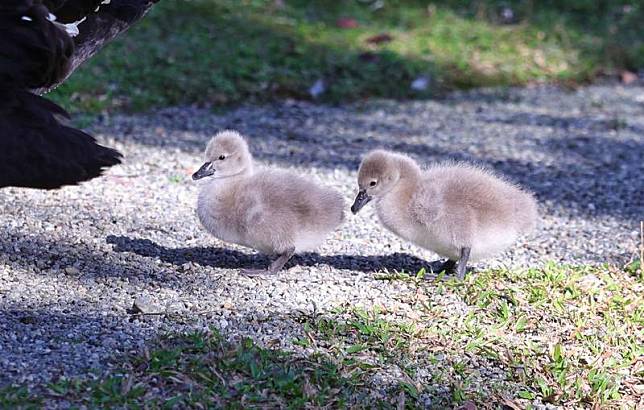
(273, 211)
(457, 210)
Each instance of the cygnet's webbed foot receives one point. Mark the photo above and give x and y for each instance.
(447, 267)
(274, 267)
(450, 267)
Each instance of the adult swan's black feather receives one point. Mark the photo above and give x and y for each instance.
(37, 53)
(37, 151)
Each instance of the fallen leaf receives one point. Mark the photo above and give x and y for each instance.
(627, 77)
(126, 384)
(347, 22)
(468, 405)
(379, 38)
(552, 398)
(510, 404)
(401, 401)
(309, 389)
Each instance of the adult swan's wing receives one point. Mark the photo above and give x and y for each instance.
(37, 53)
(37, 151)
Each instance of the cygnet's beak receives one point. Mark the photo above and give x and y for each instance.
(361, 200)
(206, 170)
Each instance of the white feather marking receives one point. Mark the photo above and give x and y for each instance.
(51, 17)
(72, 28)
(99, 6)
(26, 18)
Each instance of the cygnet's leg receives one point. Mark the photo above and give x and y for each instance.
(462, 263)
(274, 267)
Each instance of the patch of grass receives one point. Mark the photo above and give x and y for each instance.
(567, 335)
(202, 370)
(224, 52)
(18, 398)
(364, 330)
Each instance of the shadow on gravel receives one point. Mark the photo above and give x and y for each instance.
(590, 172)
(570, 123)
(73, 260)
(232, 259)
(57, 341)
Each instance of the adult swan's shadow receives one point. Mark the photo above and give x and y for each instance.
(232, 259)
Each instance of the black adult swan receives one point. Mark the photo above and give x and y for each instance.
(41, 43)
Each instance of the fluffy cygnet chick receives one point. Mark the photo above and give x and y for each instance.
(275, 212)
(456, 210)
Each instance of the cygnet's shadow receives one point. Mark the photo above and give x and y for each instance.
(232, 259)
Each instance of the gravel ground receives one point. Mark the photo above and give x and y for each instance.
(73, 261)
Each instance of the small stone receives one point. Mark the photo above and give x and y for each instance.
(420, 84)
(145, 305)
(72, 271)
(174, 307)
(318, 88)
(628, 77)
(507, 15)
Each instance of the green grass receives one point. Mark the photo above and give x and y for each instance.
(203, 370)
(570, 336)
(225, 52)
(566, 335)
(18, 397)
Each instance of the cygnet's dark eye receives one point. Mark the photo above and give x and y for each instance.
(222, 157)
(373, 183)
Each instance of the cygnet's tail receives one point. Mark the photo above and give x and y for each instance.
(527, 213)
